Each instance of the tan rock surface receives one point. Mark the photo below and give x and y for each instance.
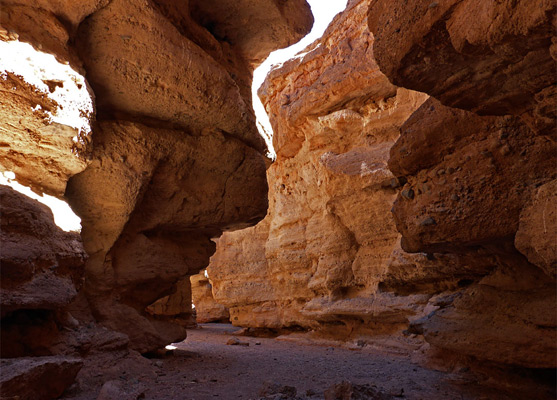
(479, 175)
(190, 164)
(151, 223)
(473, 182)
(327, 256)
(206, 308)
(42, 153)
(490, 57)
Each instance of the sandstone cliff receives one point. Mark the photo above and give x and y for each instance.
(327, 256)
(480, 184)
(475, 203)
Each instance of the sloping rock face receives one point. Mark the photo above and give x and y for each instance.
(206, 308)
(37, 377)
(327, 255)
(481, 185)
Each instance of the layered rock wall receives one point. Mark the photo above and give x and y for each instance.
(471, 172)
(481, 184)
(206, 308)
(167, 158)
(327, 255)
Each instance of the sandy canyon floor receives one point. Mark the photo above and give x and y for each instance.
(205, 367)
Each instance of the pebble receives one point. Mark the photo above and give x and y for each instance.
(428, 221)
(407, 194)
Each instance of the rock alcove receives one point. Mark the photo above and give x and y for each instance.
(410, 209)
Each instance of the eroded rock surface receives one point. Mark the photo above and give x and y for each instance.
(152, 221)
(477, 186)
(490, 57)
(175, 159)
(42, 268)
(327, 256)
(206, 308)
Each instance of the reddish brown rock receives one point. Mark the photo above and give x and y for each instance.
(508, 317)
(206, 308)
(490, 57)
(536, 237)
(471, 179)
(255, 28)
(37, 378)
(41, 267)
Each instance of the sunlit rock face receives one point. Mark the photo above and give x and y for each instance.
(165, 192)
(327, 255)
(481, 185)
(206, 308)
(46, 110)
(174, 157)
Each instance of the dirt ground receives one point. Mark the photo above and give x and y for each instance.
(205, 367)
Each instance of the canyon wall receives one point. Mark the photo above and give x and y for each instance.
(168, 157)
(481, 161)
(327, 256)
(467, 257)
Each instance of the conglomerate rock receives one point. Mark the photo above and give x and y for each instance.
(477, 186)
(327, 256)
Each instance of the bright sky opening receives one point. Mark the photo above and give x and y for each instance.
(323, 12)
(76, 107)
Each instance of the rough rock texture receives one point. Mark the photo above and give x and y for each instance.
(150, 201)
(477, 186)
(43, 154)
(189, 165)
(535, 237)
(262, 23)
(175, 159)
(41, 268)
(206, 308)
(327, 256)
(491, 57)
(37, 378)
(469, 193)
(460, 181)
